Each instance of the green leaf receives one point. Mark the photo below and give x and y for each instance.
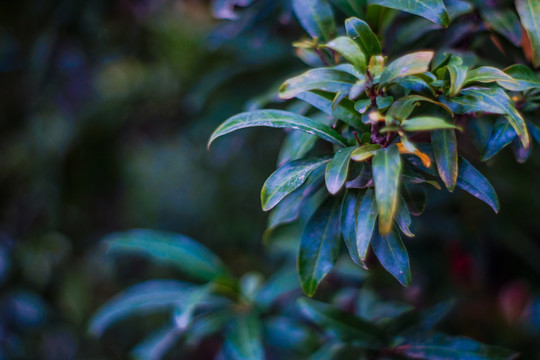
(325, 79)
(361, 33)
(365, 152)
(525, 77)
(156, 345)
(281, 283)
(505, 22)
(487, 74)
(404, 106)
(529, 12)
(386, 175)
(286, 179)
(444, 145)
(501, 135)
(535, 131)
(345, 325)
(295, 146)
(243, 341)
(403, 218)
(319, 245)
(344, 111)
(392, 255)
(177, 250)
(147, 297)
(365, 223)
(470, 180)
(350, 51)
(443, 347)
(384, 102)
(458, 74)
(316, 17)
(410, 64)
(278, 119)
(349, 213)
(432, 10)
(338, 169)
(426, 123)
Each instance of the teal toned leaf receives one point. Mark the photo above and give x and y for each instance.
(444, 145)
(384, 102)
(156, 345)
(426, 123)
(319, 245)
(535, 131)
(457, 8)
(345, 325)
(350, 51)
(386, 175)
(392, 255)
(525, 77)
(338, 169)
(410, 64)
(344, 111)
(316, 17)
(143, 298)
(281, 283)
(277, 119)
(458, 74)
(349, 213)
(529, 12)
(403, 218)
(295, 146)
(501, 135)
(286, 179)
(432, 10)
(470, 180)
(443, 347)
(361, 33)
(403, 107)
(505, 22)
(325, 79)
(177, 250)
(243, 341)
(365, 223)
(487, 74)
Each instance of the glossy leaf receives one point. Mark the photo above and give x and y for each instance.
(443, 347)
(361, 33)
(325, 79)
(426, 123)
(365, 223)
(364, 152)
(403, 107)
(143, 298)
(410, 64)
(487, 74)
(350, 51)
(316, 17)
(243, 341)
(501, 135)
(525, 77)
(319, 245)
(458, 75)
(403, 218)
(349, 213)
(286, 179)
(176, 250)
(338, 169)
(277, 119)
(444, 145)
(386, 175)
(529, 12)
(473, 182)
(345, 325)
(504, 22)
(295, 146)
(433, 10)
(392, 255)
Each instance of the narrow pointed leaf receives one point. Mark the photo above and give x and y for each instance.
(403, 107)
(529, 12)
(386, 175)
(316, 17)
(350, 51)
(432, 10)
(325, 79)
(410, 64)
(286, 179)
(182, 252)
(365, 223)
(345, 325)
(277, 119)
(338, 169)
(487, 74)
(349, 211)
(458, 74)
(243, 341)
(364, 152)
(504, 22)
(361, 33)
(426, 123)
(403, 218)
(392, 255)
(525, 77)
(319, 245)
(501, 135)
(473, 182)
(444, 145)
(295, 146)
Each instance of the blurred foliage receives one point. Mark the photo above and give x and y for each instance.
(105, 110)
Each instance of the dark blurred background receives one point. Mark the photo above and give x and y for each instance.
(105, 111)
